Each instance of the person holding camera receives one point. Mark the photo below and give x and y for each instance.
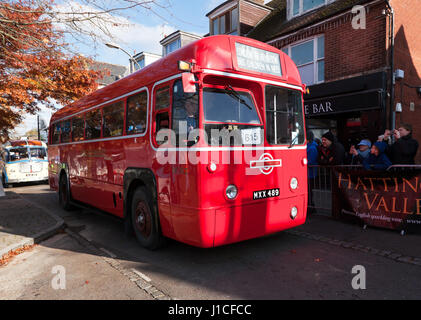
(357, 156)
(404, 149)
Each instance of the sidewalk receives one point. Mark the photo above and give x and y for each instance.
(383, 242)
(23, 223)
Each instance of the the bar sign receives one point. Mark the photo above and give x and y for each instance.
(251, 58)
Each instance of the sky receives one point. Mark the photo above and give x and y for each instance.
(143, 31)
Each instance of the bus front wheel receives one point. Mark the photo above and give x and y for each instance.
(144, 221)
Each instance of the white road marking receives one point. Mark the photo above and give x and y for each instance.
(143, 276)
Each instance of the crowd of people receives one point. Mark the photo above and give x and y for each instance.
(397, 147)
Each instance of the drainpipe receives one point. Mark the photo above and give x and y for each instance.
(392, 113)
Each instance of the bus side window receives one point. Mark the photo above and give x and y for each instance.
(136, 113)
(162, 112)
(113, 120)
(185, 111)
(93, 124)
(65, 132)
(78, 128)
(56, 133)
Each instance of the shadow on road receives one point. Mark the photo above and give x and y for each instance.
(280, 266)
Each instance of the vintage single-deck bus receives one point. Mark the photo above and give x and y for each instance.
(23, 161)
(205, 146)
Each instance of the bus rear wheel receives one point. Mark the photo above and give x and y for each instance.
(64, 194)
(145, 223)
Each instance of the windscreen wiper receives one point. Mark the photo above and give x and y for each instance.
(230, 90)
(293, 141)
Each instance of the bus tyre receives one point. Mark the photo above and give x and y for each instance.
(64, 194)
(145, 222)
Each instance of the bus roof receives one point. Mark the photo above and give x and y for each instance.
(211, 53)
(24, 143)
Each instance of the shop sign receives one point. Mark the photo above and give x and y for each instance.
(319, 108)
(380, 198)
(344, 103)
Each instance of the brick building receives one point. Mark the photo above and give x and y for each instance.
(348, 67)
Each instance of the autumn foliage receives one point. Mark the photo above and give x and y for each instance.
(33, 66)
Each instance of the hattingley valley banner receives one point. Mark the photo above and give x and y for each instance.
(382, 199)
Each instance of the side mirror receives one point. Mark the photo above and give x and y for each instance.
(189, 82)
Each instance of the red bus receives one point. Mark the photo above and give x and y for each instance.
(205, 146)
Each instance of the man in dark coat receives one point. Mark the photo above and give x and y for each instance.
(405, 148)
(331, 152)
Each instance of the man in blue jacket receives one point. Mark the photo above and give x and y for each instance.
(312, 154)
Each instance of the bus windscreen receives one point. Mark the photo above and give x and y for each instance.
(229, 106)
(231, 118)
(38, 153)
(284, 116)
(17, 154)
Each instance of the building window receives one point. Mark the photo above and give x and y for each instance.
(309, 56)
(172, 46)
(226, 23)
(140, 64)
(298, 7)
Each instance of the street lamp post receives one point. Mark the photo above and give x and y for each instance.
(114, 46)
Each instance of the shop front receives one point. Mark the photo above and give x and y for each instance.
(353, 109)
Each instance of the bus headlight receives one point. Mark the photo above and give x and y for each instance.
(294, 212)
(231, 192)
(293, 183)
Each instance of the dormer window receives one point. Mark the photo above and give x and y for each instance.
(144, 59)
(299, 7)
(172, 46)
(226, 23)
(140, 64)
(176, 40)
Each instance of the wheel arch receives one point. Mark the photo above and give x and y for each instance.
(64, 170)
(139, 177)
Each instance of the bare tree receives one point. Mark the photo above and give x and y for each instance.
(88, 21)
